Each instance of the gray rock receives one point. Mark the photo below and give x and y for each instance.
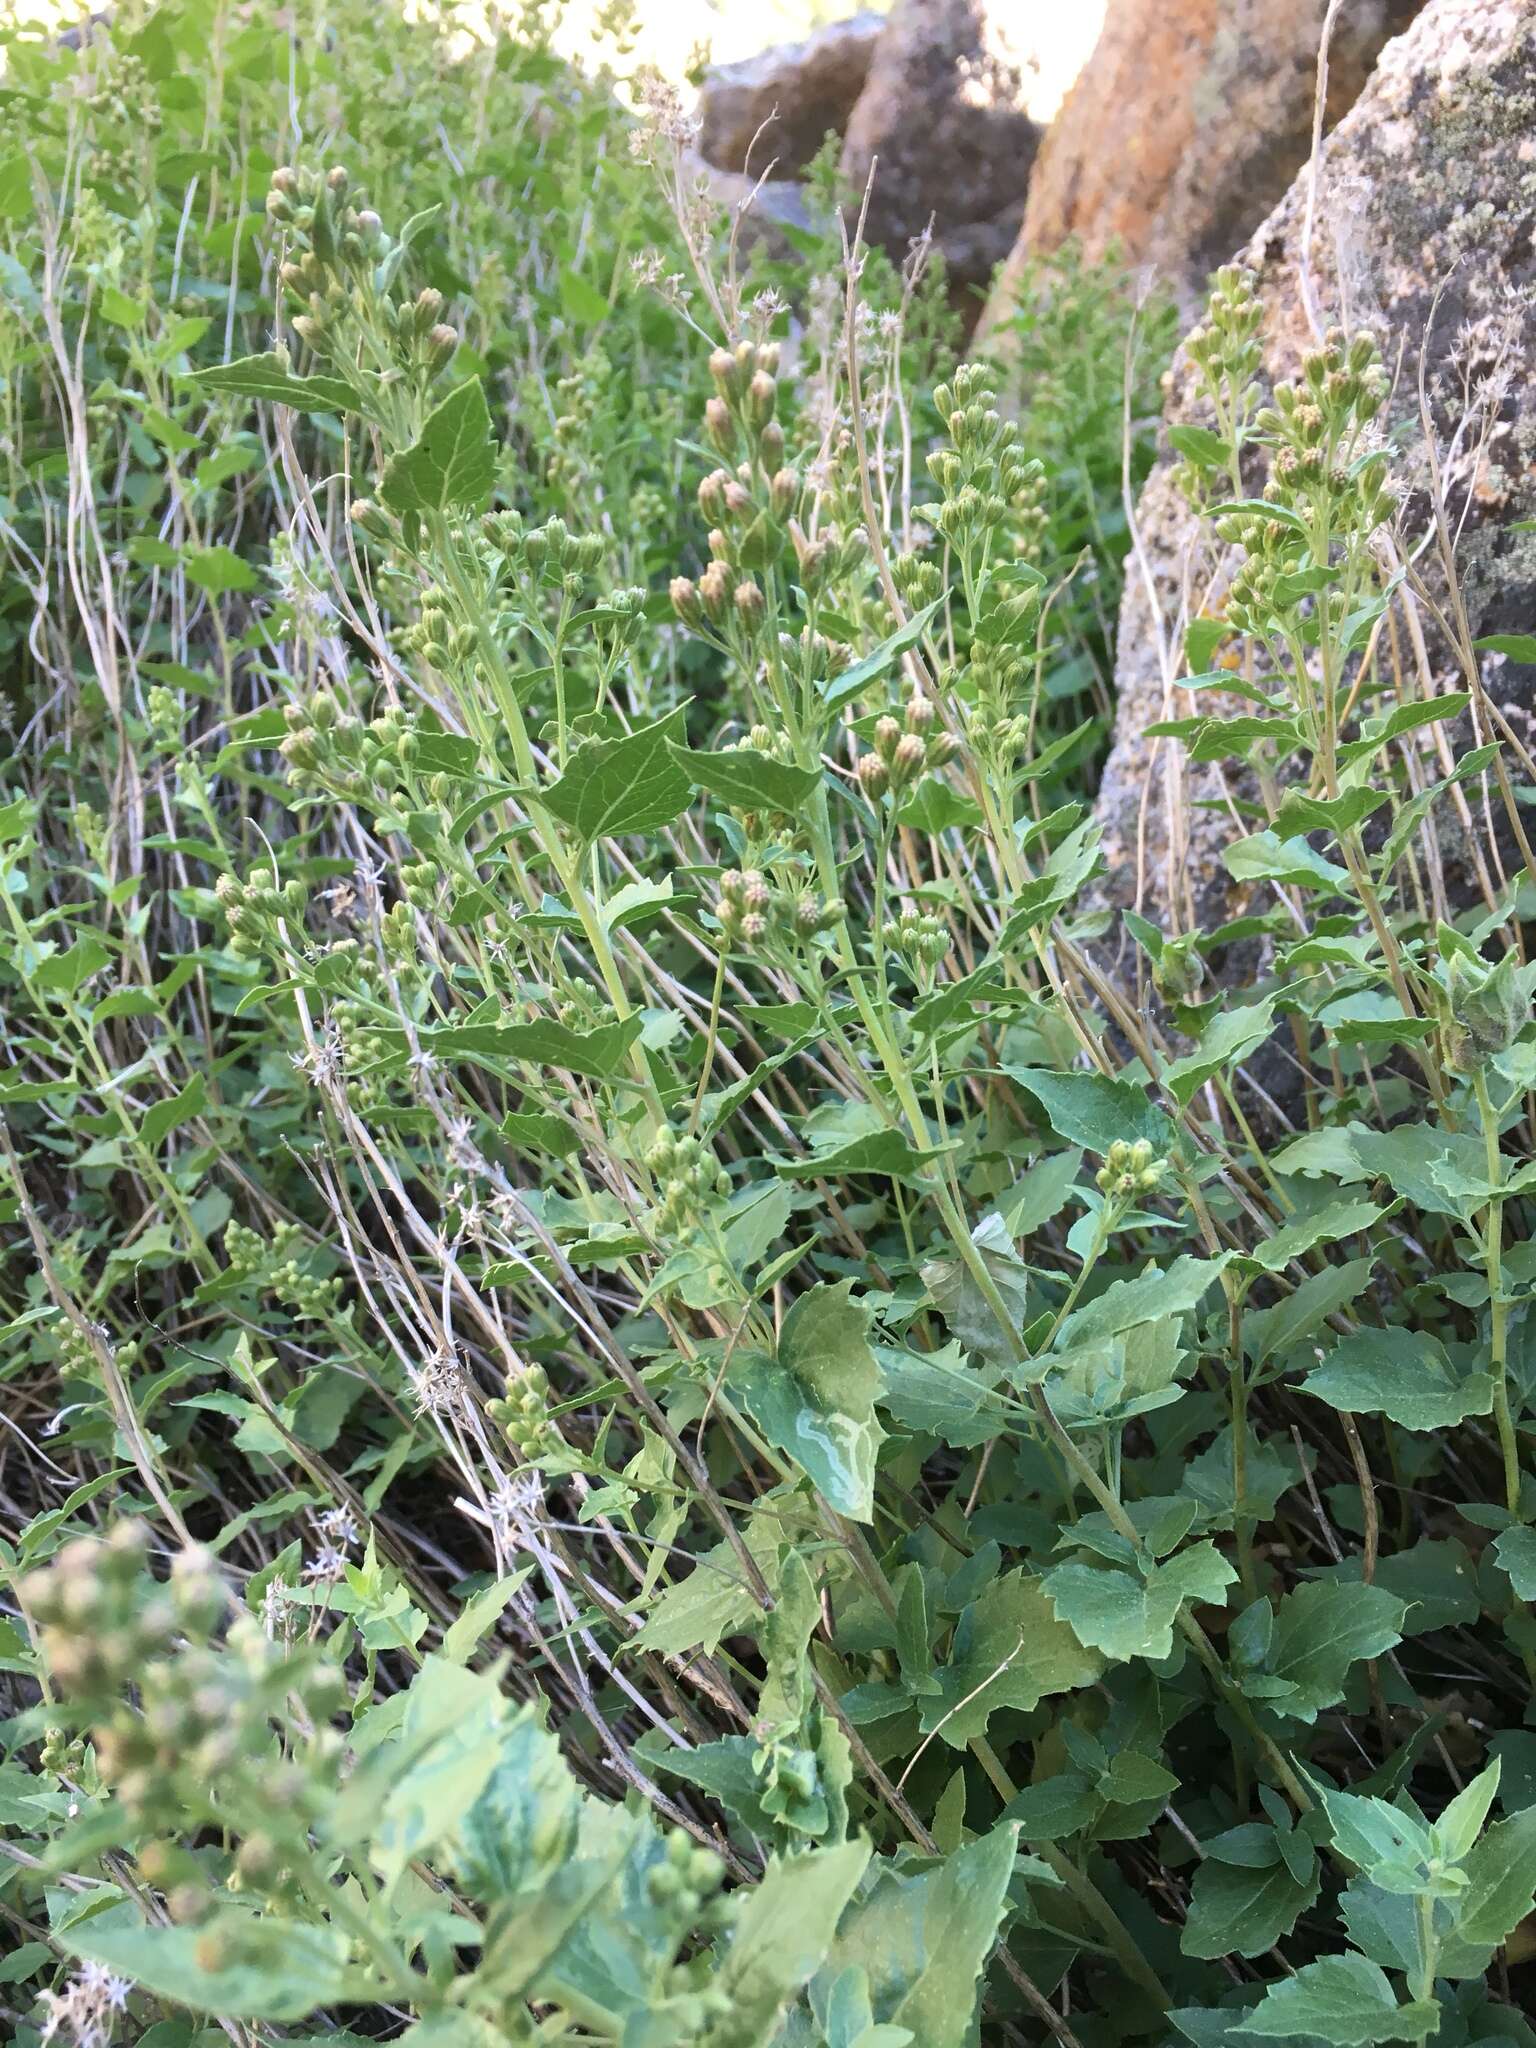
(943, 118)
(1428, 186)
(801, 91)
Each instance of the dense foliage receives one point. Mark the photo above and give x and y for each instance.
(660, 1387)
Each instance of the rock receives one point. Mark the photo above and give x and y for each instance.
(802, 91)
(1428, 184)
(1188, 123)
(943, 112)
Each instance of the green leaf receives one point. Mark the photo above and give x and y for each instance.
(921, 1940)
(1320, 1631)
(1125, 1614)
(276, 1969)
(598, 1053)
(852, 682)
(1092, 1110)
(1515, 1551)
(1011, 1649)
(218, 570)
(1034, 903)
(937, 1393)
(268, 376)
(785, 1927)
(523, 1817)
(816, 1399)
(889, 1154)
(1041, 1194)
(64, 973)
(161, 1118)
(1501, 1891)
(453, 462)
(747, 780)
(1518, 646)
(1324, 1226)
(1150, 1297)
(1300, 814)
(528, 1129)
(616, 786)
(963, 1304)
(1402, 1374)
(1228, 1039)
(581, 302)
(1267, 1331)
(479, 1616)
(1266, 857)
(1199, 445)
(1400, 719)
(1343, 2000)
(1244, 1897)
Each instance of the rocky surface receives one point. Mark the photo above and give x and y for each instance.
(1188, 123)
(943, 116)
(779, 107)
(1427, 186)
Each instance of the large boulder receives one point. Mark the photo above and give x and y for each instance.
(779, 107)
(1425, 231)
(943, 119)
(1188, 123)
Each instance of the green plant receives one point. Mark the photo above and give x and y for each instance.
(647, 1408)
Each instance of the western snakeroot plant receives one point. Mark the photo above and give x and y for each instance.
(650, 1398)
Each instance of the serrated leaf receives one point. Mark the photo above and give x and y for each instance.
(617, 786)
(453, 461)
(1126, 1614)
(747, 780)
(786, 1925)
(1228, 1039)
(1266, 857)
(269, 376)
(1343, 2000)
(280, 1968)
(853, 681)
(816, 1398)
(921, 1939)
(1093, 1110)
(1320, 1631)
(1010, 1649)
(161, 1118)
(1515, 1551)
(1243, 1906)
(1402, 1374)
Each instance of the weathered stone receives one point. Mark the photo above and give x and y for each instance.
(779, 107)
(943, 119)
(1188, 123)
(1425, 228)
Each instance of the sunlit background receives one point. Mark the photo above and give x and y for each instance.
(671, 33)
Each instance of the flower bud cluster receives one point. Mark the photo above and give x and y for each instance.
(740, 417)
(901, 752)
(254, 911)
(991, 488)
(109, 1631)
(333, 272)
(751, 914)
(1129, 1171)
(523, 1415)
(920, 937)
(1324, 470)
(1224, 347)
(328, 748)
(689, 1177)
